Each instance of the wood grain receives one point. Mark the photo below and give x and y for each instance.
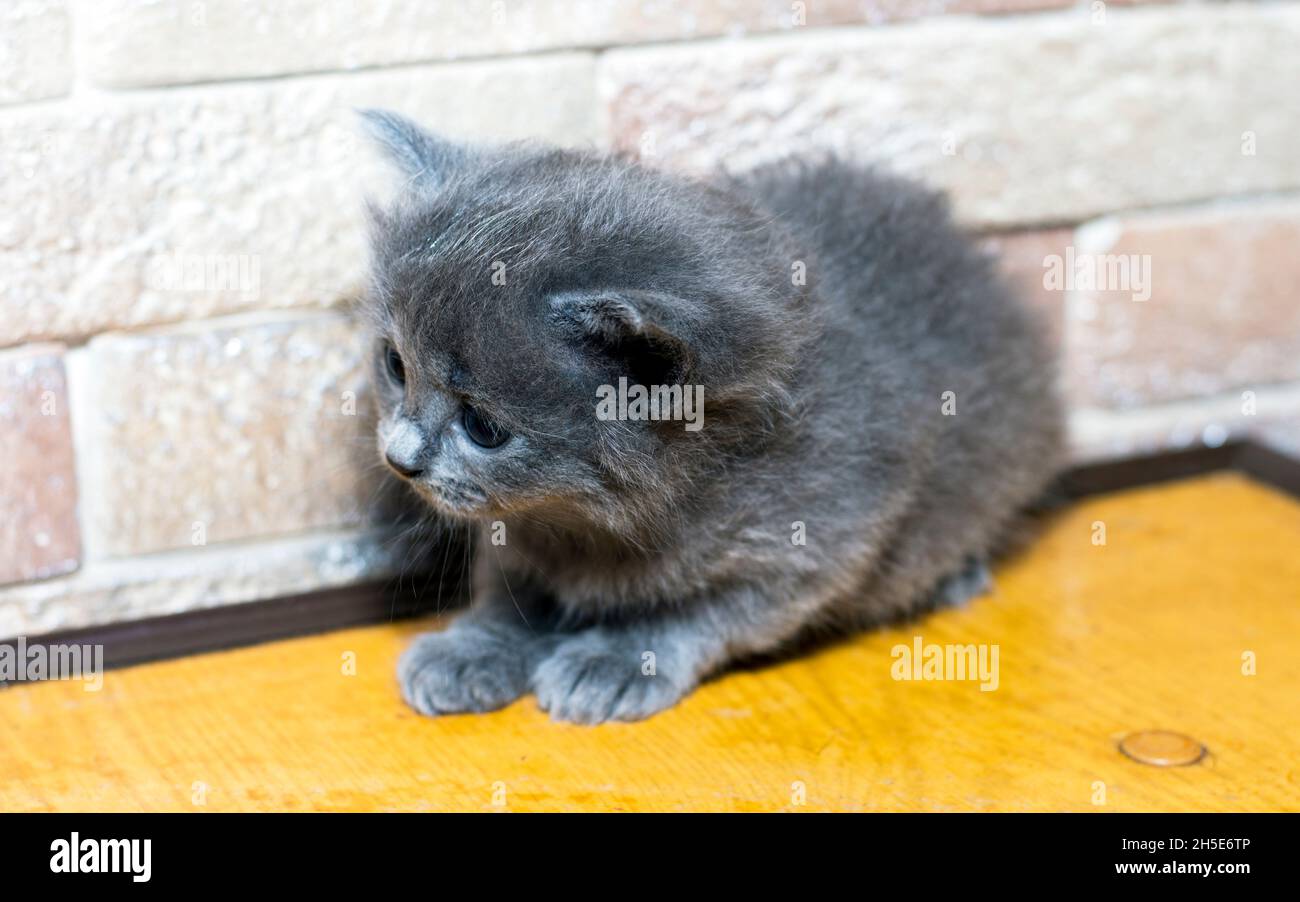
(1145, 632)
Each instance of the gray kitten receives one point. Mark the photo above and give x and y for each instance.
(826, 313)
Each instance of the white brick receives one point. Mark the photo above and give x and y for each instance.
(104, 188)
(1101, 434)
(1051, 118)
(35, 50)
(148, 42)
(156, 585)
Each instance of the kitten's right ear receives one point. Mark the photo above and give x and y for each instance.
(644, 331)
(419, 154)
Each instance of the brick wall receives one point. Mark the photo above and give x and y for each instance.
(182, 397)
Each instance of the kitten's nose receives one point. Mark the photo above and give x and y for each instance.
(402, 469)
(404, 449)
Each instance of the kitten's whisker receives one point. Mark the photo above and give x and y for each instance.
(511, 593)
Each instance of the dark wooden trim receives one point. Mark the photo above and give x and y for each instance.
(1258, 461)
(251, 623)
(1131, 472)
(1269, 465)
(231, 626)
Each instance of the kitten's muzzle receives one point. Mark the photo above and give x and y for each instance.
(404, 470)
(404, 449)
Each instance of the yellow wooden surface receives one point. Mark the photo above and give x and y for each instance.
(1147, 631)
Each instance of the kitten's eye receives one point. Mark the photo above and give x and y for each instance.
(393, 364)
(484, 432)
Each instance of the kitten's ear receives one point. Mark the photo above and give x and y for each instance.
(419, 154)
(642, 331)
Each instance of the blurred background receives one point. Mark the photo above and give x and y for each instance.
(183, 396)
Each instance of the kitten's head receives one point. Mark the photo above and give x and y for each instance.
(510, 283)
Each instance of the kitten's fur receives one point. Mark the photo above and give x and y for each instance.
(640, 557)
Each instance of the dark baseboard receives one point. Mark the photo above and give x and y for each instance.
(1258, 461)
(232, 626)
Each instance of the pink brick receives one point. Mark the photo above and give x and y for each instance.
(228, 430)
(1021, 256)
(38, 484)
(1222, 315)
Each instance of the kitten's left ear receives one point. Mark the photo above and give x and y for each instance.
(419, 154)
(645, 332)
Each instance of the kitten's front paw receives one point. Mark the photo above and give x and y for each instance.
(598, 676)
(464, 668)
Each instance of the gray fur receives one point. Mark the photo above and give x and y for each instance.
(640, 558)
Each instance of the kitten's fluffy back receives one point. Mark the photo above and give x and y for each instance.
(913, 311)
